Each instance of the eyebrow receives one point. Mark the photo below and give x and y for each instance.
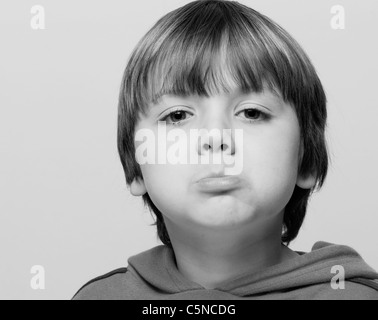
(236, 94)
(238, 91)
(157, 98)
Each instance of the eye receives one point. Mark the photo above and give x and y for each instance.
(254, 115)
(175, 116)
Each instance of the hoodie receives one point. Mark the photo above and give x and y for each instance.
(153, 275)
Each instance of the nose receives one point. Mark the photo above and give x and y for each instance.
(216, 142)
(218, 139)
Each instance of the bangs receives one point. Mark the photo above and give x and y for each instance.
(215, 50)
(208, 65)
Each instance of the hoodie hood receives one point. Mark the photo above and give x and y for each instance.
(155, 270)
(153, 275)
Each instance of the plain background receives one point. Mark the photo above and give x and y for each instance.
(64, 203)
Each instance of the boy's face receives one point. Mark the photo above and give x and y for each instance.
(270, 151)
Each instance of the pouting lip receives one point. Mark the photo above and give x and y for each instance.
(216, 184)
(213, 174)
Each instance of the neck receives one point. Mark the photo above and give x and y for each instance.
(210, 258)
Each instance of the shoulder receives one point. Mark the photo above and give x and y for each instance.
(352, 289)
(369, 286)
(104, 287)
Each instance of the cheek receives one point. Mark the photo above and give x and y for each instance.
(165, 184)
(157, 177)
(271, 159)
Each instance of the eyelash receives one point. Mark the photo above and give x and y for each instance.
(263, 115)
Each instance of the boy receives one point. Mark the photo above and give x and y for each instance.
(223, 67)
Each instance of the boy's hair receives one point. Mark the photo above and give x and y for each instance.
(197, 49)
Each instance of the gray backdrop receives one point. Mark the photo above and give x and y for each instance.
(64, 204)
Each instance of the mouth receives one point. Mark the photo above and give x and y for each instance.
(218, 183)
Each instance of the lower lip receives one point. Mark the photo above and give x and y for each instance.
(218, 184)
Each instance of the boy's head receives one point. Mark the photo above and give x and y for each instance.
(220, 64)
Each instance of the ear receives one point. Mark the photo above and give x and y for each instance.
(308, 180)
(137, 187)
